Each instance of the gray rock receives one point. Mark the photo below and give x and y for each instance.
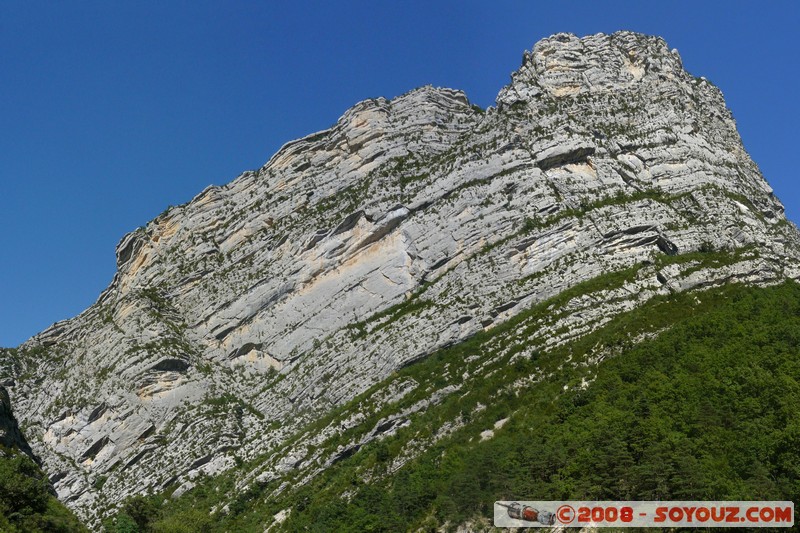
(10, 435)
(408, 225)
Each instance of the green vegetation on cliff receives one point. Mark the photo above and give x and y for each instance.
(704, 408)
(27, 504)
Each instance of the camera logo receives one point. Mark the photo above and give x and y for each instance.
(526, 513)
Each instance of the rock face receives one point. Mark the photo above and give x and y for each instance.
(411, 224)
(10, 435)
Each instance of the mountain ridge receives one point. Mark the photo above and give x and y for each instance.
(410, 225)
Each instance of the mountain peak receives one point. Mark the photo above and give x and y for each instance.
(567, 65)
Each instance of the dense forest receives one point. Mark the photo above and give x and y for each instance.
(706, 407)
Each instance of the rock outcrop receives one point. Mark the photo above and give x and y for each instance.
(411, 224)
(10, 435)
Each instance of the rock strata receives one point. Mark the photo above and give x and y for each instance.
(410, 224)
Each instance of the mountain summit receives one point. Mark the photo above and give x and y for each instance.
(240, 326)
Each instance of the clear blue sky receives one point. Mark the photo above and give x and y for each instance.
(111, 111)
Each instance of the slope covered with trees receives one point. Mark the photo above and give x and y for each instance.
(706, 408)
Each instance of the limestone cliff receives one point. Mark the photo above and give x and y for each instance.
(10, 435)
(411, 224)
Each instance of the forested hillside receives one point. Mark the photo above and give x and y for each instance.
(706, 409)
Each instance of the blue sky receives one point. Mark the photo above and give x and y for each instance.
(112, 111)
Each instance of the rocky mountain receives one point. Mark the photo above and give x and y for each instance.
(267, 318)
